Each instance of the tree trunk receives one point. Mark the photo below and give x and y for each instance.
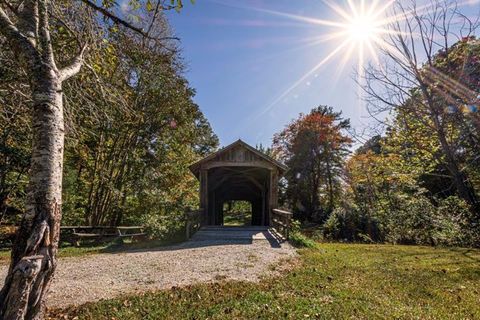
(458, 177)
(34, 254)
(330, 187)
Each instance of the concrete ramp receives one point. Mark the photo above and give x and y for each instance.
(246, 234)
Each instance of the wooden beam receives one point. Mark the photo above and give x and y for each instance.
(204, 194)
(273, 191)
(237, 177)
(258, 164)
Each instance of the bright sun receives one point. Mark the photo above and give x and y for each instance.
(360, 25)
(362, 28)
(358, 31)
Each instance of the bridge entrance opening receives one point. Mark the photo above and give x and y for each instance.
(237, 213)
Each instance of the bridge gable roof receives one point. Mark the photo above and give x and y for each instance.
(232, 155)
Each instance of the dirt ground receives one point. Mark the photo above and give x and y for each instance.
(102, 276)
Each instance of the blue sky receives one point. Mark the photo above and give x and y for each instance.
(242, 60)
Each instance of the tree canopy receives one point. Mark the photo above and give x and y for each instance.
(314, 148)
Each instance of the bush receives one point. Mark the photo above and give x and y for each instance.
(411, 221)
(297, 238)
(455, 225)
(348, 223)
(407, 219)
(162, 227)
(417, 221)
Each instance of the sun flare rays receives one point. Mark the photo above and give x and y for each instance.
(357, 30)
(357, 33)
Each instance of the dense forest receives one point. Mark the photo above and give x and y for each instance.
(132, 128)
(418, 181)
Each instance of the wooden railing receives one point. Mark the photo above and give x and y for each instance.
(281, 221)
(193, 221)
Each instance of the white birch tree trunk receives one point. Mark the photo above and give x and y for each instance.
(34, 252)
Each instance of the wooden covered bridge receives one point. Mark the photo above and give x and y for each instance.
(240, 172)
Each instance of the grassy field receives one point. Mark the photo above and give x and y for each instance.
(65, 252)
(332, 281)
(237, 218)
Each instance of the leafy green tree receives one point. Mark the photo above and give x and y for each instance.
(29, 30)
(440, 92)
(157, 122)
(396, 192)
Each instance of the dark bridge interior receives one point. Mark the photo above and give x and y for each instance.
(238, 183)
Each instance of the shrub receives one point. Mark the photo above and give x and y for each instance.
(411, 221)
(415, 220)
(454, 224)
(348, 223)
(406, 219)
(163, 227)
(297, 238)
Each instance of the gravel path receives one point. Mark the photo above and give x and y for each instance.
(101, 276)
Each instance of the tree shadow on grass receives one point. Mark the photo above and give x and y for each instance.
(472, 254)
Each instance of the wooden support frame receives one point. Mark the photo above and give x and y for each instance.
(204, 194)
(238, 172)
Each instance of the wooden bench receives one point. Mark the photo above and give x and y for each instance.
(134, 233)
(75, 234)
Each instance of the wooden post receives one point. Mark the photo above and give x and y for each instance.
(263, 207)
(187, 223)
(272, 192)
(287, 223)
(204, 194)
(119, 238)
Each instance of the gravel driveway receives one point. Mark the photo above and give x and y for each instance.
(101, 276)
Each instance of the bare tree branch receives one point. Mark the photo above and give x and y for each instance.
(74, 67)
(45, 41)
(122, 22)
(20, 43)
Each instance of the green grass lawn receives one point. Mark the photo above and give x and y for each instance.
(332, 281)
(237, 218)
(69, 251)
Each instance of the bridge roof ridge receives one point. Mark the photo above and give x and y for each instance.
(195, 166)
